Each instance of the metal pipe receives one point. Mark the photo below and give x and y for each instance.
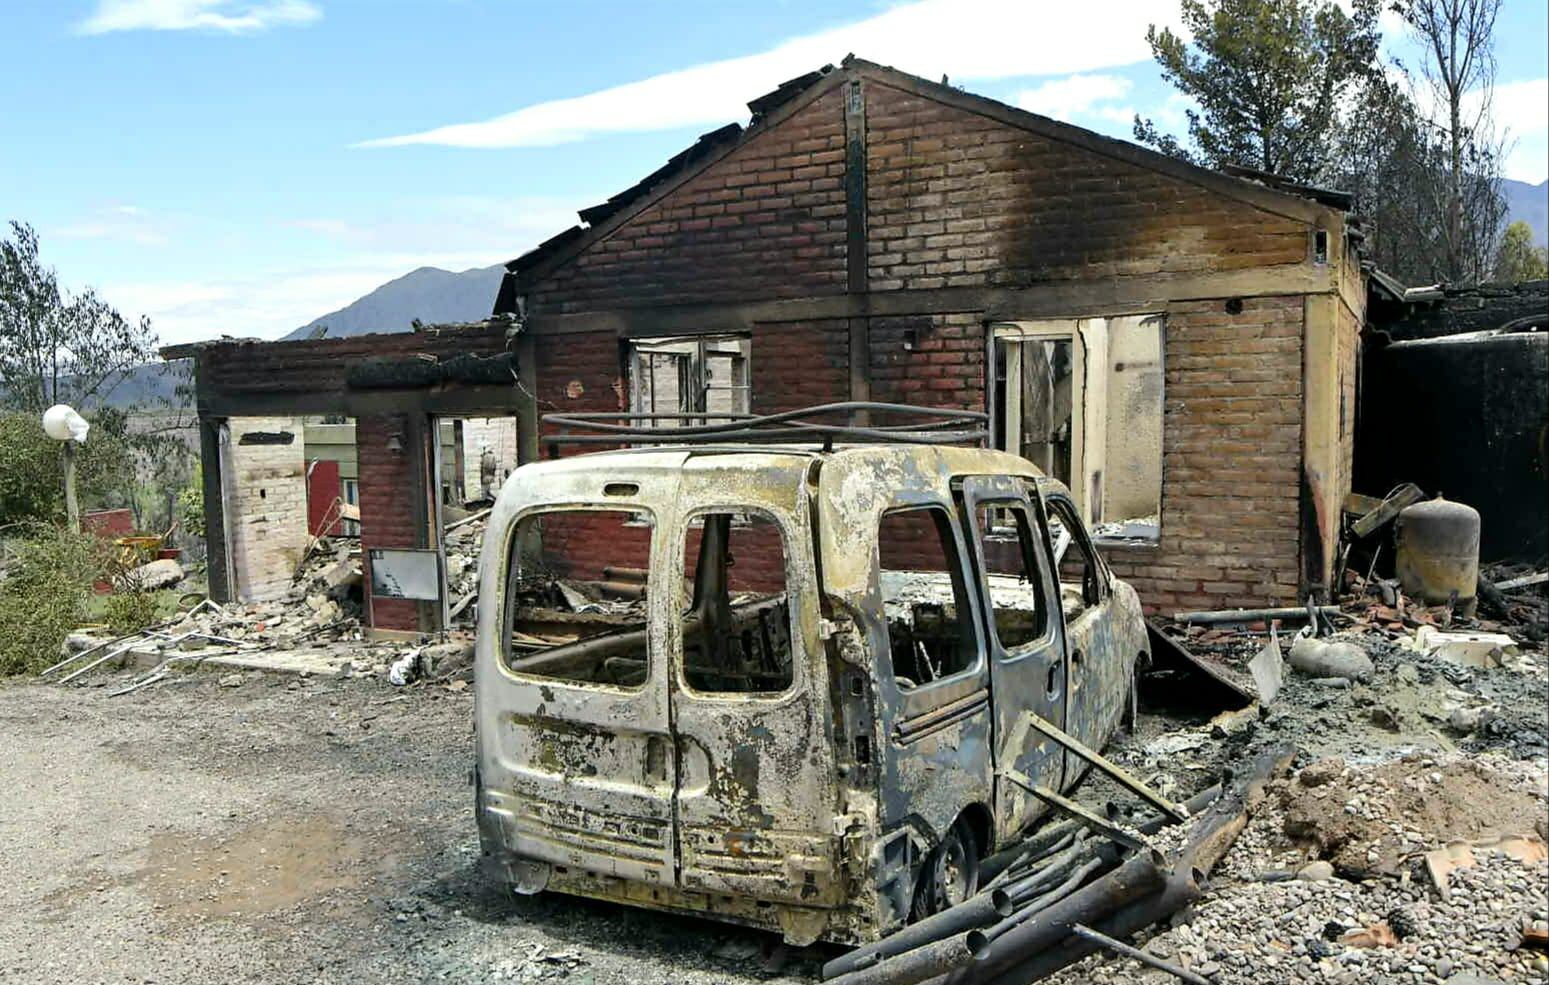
(1136, 954)
(980, 940)
(984, 908)
(1028, 885)
(1019, 865)
(1251, 615)
(927, 961)
(1135, 879)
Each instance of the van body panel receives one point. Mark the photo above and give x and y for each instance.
(1029, 678)
(757, 794)
(577, 773)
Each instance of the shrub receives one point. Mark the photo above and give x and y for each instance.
(45, 595)
(129, 610)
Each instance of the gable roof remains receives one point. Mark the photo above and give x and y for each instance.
(1268, 192)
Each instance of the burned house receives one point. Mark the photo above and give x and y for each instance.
(1178, 345)
(397, 422)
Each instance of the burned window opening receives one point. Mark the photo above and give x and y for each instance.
(1080, 574)
(568, 618)
(930, 628)
(1082, 399)
(676, 376)
(737, 627)
(1018, 610)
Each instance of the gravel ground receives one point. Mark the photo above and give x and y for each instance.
(318, 832)
(287, 831)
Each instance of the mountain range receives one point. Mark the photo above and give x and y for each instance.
(429, 294)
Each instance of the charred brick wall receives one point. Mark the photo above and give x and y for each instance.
(957, 199)
(387, 508)
(929, 360)
(1231, 439)
(800, 364)
(766, 221)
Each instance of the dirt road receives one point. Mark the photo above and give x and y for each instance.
(275, 832)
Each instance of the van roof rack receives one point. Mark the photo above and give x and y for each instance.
(927, 426)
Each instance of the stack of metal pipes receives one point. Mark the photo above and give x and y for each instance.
(1069, 890)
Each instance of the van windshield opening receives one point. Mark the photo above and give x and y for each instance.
(576, 609)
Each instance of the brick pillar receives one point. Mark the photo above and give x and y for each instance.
(391, 506)
(265, 504)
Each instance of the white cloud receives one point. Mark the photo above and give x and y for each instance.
(123, 223)
(1521, 109)
(226, 16)
(267, 300)
(1079, 95)
(964, 39)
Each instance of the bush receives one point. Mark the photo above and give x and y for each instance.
(45, 595)
(128, 611)
(31, 480)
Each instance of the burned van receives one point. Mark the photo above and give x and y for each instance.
(799, 689)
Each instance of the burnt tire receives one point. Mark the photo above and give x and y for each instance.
(951, 872)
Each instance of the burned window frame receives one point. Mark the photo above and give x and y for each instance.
(1033, 558)
(964, 592)
(642, 516)
(694, 374)
(1089, 440)
(683, 599)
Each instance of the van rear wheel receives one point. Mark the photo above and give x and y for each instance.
(951, 873)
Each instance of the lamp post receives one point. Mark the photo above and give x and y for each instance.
(64, 425)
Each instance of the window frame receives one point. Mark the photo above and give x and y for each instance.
(508, 595)
(1089, 336)
(695, 384)
(683, 595)
(1037, 534)
(964, 596)
(1080, 538)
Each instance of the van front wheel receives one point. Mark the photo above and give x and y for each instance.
(951, 873)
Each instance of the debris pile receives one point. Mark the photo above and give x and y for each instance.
(1331, 881)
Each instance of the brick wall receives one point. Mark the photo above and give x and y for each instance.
(1231, 465)
(956, 199)
(768, 221)
(944, 367)
(388, 482)
(800, 364)
(265, 502)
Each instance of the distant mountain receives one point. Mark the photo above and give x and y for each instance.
(429, 294)
(1530, 203)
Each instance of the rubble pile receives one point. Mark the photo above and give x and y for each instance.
(1278, 910)
(1424, 739)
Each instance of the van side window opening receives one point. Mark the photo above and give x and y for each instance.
(737, 624)
(929, 620)
(576, 602)
(1081, 578)
(1016, 595)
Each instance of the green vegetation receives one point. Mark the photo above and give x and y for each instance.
(1518, 259)
(47, 592)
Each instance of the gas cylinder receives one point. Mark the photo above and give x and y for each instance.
(1438, 552)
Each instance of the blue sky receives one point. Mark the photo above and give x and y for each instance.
(242, 166)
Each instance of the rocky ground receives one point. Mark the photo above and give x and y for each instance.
(253, 828)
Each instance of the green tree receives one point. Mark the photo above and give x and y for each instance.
(59, 346)
(1268, 78)
(1518, 259)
